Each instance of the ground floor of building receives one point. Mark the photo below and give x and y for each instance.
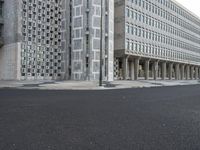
(134, 68)
(126, 67)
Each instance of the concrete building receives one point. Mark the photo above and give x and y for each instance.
(81, 39)
(66, 42)
(31, 31)
(156, 39)
(60, 39)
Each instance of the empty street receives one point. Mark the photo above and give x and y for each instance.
(166, 118)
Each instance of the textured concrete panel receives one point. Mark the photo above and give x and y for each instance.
(10, 62)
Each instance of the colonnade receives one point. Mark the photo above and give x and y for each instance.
(134, 68)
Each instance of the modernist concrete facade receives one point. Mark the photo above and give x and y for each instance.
(66, 38)
(156, 39)
(82, 39)
(31, 40)
(60, 39)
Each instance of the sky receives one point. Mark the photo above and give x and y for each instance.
(192, 5)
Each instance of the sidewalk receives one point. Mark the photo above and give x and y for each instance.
(88, 85)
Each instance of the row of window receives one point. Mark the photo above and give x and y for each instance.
(40, 75)
(177, 9)
(42, 35)
(168, 16)
(41, 11)
(48, 57)
(42, 3)
(41, 68)
(148, 20)
(158, 37)
(157, 51)
(43, 19)
(30, 70)
(42, 49)
(170, 5)
(45, 26)
(32, 40)
(50, 33)
(40, 59)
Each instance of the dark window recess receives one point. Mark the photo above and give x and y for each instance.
(87, 62)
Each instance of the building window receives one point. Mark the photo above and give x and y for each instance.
(1, 9)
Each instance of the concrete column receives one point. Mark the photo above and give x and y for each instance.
(187, 72)
(125, 67)
(196, 73)
(199, 72)
(152, 70)
(177, 70)
(136, 68)
(170, 70)
(163, 70)
(147, 69)
(132, 69)
(155, 70)
(182, 72)
(192, 72)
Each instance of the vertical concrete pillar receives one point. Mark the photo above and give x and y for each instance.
(163, 70)
(170, 70)
(196, 73)
(132, 69)
(177, 70)
(155, 70)
(187, 72)
(147, 69)
(152, 70)
(192, 72)
(125, 67)
(199, 72)
(136, 68)
(182, 72)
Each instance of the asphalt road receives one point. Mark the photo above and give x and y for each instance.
(165, 118)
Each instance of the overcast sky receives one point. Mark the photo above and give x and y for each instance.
(192, 5)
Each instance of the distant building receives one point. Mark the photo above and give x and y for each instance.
(156, 39)
(31, 35)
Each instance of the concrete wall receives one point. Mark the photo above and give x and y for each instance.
(12, 29)
(86, 21)
(77, 41)
(66, 35)
(27, 54)
(10, 62)
(10, 58)
(110, 40)
(119, 25)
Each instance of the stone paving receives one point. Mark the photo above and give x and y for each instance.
(88, 85)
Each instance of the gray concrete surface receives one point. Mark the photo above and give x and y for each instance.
(88, 85)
